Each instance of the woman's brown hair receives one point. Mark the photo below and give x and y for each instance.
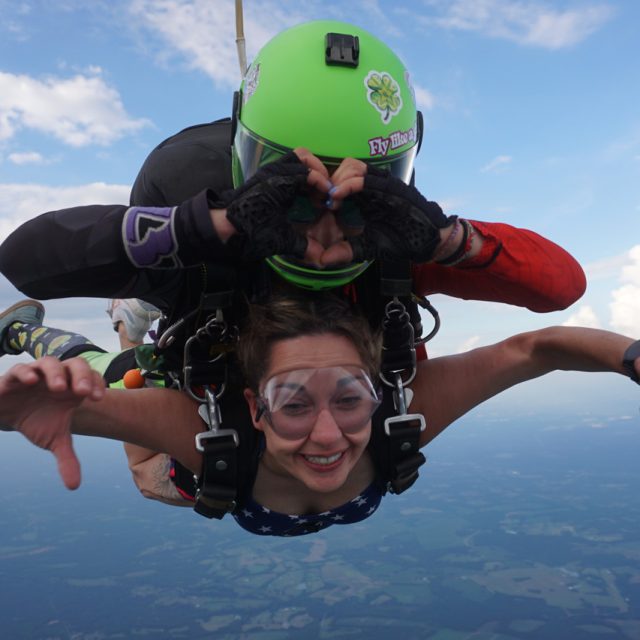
(302, 314)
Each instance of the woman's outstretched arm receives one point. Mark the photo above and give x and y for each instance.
(446, 388)
(48, 400)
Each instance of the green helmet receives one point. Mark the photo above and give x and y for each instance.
(341, 93)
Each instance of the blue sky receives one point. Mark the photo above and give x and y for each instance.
(531, 112)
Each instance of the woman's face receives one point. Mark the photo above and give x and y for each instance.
(323, 458)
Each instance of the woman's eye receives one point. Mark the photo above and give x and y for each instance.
(296, 408)
(349, 402)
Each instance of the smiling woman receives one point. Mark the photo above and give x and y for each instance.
(308, 362)
(314, 429)
(309, 369)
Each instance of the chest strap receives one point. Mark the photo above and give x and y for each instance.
(205, 378)
(398, 369)
(217, 487)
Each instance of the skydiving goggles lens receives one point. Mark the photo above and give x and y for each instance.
(292, 401)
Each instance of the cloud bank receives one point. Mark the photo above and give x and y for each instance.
(625, 303)
(78, 111)
(527, 23)
(21, 202)
(211, 31)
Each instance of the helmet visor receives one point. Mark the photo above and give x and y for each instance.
(252, 151)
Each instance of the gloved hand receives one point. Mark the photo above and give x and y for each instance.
(259, 210)
(399, 223)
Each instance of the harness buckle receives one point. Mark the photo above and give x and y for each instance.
(404, 444)
(406, 420)
(218, 433)
(210, 413)
(216, 492)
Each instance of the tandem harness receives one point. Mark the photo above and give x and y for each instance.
(229, 444)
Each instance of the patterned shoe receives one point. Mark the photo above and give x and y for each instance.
(137, 316)
(25, 311)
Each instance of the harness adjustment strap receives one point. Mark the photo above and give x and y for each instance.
(407, 473)
(217, 487)
(404, 449)
(395, 279)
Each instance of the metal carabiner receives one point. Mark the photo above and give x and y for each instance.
(209, 411)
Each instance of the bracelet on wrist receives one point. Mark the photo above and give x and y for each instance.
(628, 359)
(446, 247)
(465, 246)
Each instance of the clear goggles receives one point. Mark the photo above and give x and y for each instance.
(292, 401)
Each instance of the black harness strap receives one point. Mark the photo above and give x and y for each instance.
(198, 351)
(217, 490)
(228, 470)
(398, 369)
(204, 378)
(405, 457)
(229, 460)
(395, 452)
(217, 494)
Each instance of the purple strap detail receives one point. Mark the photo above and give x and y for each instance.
(149, 237)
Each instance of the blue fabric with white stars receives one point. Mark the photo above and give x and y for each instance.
(264, 522)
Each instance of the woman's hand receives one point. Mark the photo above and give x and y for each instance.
(39, 398)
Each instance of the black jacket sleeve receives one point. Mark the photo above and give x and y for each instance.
(111, 251)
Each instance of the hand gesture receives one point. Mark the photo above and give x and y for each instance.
(260, 210)
(399, 223)
(378, 216)
(38, 399)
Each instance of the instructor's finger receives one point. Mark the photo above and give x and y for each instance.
(313, 163)
(345, 189)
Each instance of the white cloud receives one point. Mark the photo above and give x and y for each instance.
(625, 303)
(21, 202)
(585, 316)
(497, 165)
(27, 157)
(12, 24)
(453, 204)
(210, 43)
(263, 19)
(606, 268)
(424, 98)
(79, 111)
(468, 344)
(524, 22)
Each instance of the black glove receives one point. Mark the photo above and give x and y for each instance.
(399, 223)
(259, 210)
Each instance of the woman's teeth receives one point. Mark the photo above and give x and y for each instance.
(324, 459)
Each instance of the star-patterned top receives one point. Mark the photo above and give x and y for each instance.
(264, 522)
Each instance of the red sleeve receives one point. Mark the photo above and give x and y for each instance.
(516, 266)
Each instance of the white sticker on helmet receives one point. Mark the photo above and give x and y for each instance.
(251, 81)
(383, 92)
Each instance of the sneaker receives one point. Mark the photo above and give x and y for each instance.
(25, 311)
(137, 316)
